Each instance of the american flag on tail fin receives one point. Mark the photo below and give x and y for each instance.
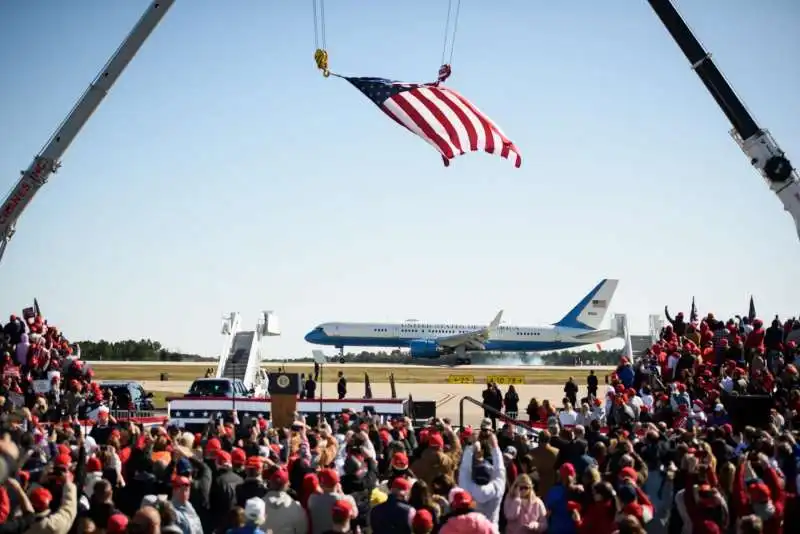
(440, 116)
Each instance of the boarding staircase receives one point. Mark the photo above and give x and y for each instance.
(621, 325)
(240, 358)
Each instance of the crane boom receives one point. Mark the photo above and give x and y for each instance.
(48, 160)
(757, 143)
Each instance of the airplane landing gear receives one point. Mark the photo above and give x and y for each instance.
(341, 354)
(461, 356)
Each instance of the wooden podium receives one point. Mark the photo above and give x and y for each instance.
(283, 390)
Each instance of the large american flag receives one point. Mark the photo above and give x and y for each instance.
(440, 116)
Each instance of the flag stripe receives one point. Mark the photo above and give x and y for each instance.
(413, 108)
(492, 126)
(464, 121)
(434, 95)
(411, 119)
(441, 118)
(439, 115)
(483, 121)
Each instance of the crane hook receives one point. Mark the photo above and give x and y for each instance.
(321, 57)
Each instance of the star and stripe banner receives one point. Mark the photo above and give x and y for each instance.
(199, 410)
(440, 116)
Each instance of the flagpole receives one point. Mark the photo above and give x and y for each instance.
(321, 417)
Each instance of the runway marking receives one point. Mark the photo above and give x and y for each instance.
(444, 400)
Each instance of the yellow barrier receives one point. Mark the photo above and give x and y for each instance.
(506, 380)
(460, 379)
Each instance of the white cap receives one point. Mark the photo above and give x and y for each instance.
(255, 510)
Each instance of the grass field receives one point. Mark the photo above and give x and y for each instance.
(160, 398)
(354, 373)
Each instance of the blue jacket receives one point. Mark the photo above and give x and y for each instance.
(626, 375)
(391, 517)
(560, 520)
(247, 529)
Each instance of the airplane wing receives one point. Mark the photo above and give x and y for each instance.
(594, 336)
(474, 340)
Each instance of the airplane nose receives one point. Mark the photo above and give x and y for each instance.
(313, 336)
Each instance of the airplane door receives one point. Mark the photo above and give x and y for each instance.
(557, 335)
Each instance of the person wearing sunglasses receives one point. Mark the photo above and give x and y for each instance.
(524, 511)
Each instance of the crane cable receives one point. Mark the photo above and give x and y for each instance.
(449, 38)
(320, 38)
(321, 45)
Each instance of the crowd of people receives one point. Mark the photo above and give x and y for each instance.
(655, 452)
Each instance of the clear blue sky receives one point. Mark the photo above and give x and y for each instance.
(224, 173)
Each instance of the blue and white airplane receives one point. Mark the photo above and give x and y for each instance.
(432, 340)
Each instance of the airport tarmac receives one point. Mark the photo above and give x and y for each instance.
(447, 396)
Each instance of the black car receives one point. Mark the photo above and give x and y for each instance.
(218, 387)
(127, 395)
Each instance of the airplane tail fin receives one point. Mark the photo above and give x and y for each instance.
(590, 311)
(495, 323)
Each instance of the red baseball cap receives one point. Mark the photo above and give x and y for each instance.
(254, 462)
(567, 470)
(342, 509)
(328, 477)
(41, 499)
(117, 524)
(238, 456)
(402, 484)
(436, 441)
(423, 521)
(280, 477)
(223, 458)
(400, 461)
(460, 499)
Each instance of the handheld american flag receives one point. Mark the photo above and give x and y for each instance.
(440, 116)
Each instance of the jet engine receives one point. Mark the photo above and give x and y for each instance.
(424, 348)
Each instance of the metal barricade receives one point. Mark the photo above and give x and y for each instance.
(532, 432)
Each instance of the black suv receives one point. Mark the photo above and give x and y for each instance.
(218, 387)
(127, 395)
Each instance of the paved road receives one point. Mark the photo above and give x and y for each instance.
(267, 363)
(447, 396)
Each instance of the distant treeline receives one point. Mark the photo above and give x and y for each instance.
(144, 350)
(147, 350)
